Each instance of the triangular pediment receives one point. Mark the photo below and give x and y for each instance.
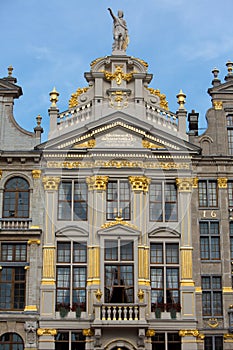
(121, 132)
(7, 87)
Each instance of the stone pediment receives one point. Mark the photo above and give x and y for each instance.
(116, 132)
(71, 232)
(7, 87)
(119, 227)
(164, 232)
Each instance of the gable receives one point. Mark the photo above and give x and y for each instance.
(119, 133)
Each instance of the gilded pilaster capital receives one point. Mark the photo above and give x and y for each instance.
(46, 331)
(33, 241)
(0, 174)
(97, 183)
(139, 183)
(88, 332)
(217, 105)
(195, 182)
(51, 183)
(184, 184)
(36, 173)
(222, 182)
(191, 333)
(150, 332)
(228, 337)
(31, 308)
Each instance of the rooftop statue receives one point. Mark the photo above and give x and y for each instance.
(120, 32)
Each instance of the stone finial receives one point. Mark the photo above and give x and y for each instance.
(54, 97)
(181, 99)
(38, 120)
(215, 72)
(229, 65)
(38, 129)
(10, 70)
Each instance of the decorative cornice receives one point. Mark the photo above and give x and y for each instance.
(118, 164)
(184, 184)
(46, 331)
(119, 221)
(51, 183)
(222, 182)
(97, 183)
(36, 174)
(139, 183)
(217, 105)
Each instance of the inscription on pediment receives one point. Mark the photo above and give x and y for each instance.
(118, 139)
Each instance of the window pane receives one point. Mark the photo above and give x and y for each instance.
(79, 252)
(156, 213)
(80, 201)
(111, 250)
(156, 253)
(230, 188)
(63, 252)
(126, 250)
(124, 204)
(65, 201)
(112, 200)
(63, 285)
(172, 253)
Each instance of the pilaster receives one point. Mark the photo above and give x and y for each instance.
(48, 272)
(186, 250)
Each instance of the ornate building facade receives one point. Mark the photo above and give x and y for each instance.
(117, 232)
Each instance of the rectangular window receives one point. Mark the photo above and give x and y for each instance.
(119, 277)
(163, 201)
(166, 341)
(230, 133)
(211, 296)
(12, 277)
(230, 193)
(118, 199)
(72, 201)
(70, 341)
(71, 275)
(213, 343)
(207, 193)
(209, 240)
(231, 239)
(164, 258)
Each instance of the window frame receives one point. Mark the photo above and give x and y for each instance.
(207, 196)
(66, 206)
(114, 207)
(13, 262)
(162, 296)
(209, 296)
(229, 123)
(207, 241)
(13, 198)
(161, 203)
(67, 266)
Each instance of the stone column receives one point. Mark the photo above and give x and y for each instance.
(186, 250)
(140, 188)
(97, 185)
(48, 288)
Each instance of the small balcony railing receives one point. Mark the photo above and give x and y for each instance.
(15, 223)
(120, 312)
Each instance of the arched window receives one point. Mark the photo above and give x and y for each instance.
(11, 341)
(16, 198)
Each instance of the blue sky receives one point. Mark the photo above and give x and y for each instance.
(52, 43)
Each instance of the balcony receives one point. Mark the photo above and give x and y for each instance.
(15, 223)
(121, 313)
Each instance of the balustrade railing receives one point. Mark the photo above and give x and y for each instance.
(124, 312)
(15, 224)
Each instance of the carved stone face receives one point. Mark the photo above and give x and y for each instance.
(30, 326)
